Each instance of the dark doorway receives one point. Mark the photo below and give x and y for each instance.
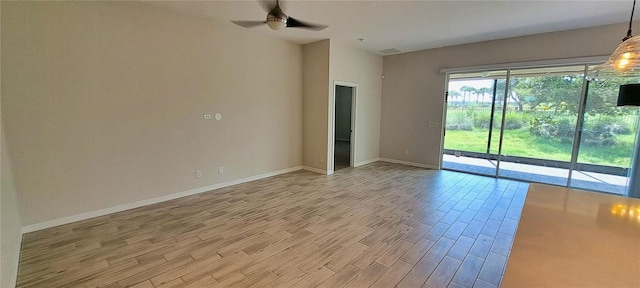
(343, 127)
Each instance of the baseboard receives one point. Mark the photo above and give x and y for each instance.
(316, 170)
(119, 208)
(365, 162)
(13, 281)
(343, 139)
(421, 165)
(329, 172)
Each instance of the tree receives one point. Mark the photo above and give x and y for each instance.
(453, 94)
(603, 96)
(554, 92)
(466, 90)
(482, 91)
(477, 92)
(516, 92)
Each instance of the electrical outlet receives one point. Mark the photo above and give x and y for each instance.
(220, 170)
(198, 173)
(433, 124)
(207, 116)
(406, 152)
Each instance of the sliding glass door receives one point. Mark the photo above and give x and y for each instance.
(472, 130)
(540, 123)
(606, 139)
(548, 125)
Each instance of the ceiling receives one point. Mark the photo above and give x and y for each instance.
(415, 25)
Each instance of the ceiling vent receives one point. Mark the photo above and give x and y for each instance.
(390, 51)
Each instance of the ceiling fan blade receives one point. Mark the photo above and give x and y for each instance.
(293, 23)
(249, 24)
(267, 5)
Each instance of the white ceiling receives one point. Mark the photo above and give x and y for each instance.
(416, 25)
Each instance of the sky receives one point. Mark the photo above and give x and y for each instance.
(455, 85)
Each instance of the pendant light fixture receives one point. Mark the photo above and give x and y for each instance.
(625, 60)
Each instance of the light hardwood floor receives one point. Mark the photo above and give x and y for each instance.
(379, 225)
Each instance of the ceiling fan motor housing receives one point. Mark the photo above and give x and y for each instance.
(276, 19)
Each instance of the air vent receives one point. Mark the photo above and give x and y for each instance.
(390, 51)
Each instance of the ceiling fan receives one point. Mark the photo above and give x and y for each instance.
(276, 19)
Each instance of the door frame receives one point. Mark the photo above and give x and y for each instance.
(493, 103)
(443, 126)
(588, 63)
(590, 60)
(332, 124)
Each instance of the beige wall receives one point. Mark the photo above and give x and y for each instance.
(327, 61)
(354, 65)
(413, 87)
(10, 221)
(104, 104)
(315, 104)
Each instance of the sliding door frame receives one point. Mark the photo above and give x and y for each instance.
(508, 67)
(577, 136)
(507, 87)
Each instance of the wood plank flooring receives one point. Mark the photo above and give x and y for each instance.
(379, 225)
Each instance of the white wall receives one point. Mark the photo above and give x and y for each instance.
(413, 87)
(354, 65)
(104, 104)
(315, 103)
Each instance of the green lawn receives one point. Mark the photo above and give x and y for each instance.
(520, 143)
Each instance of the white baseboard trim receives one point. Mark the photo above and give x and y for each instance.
(421, 165)
(119, 208)
(13, 281)
(365, 162)
(316, 170)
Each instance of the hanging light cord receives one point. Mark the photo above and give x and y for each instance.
(630, 22)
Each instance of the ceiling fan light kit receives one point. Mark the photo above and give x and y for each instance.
(276, 22)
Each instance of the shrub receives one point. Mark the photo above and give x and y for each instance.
(543, 126)
(604, 131)
(599, 137)
(565, 129)
(459, 121)
(599, 133)
(471, 111)
(612, 124)
(514, 121)
(482, 120)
